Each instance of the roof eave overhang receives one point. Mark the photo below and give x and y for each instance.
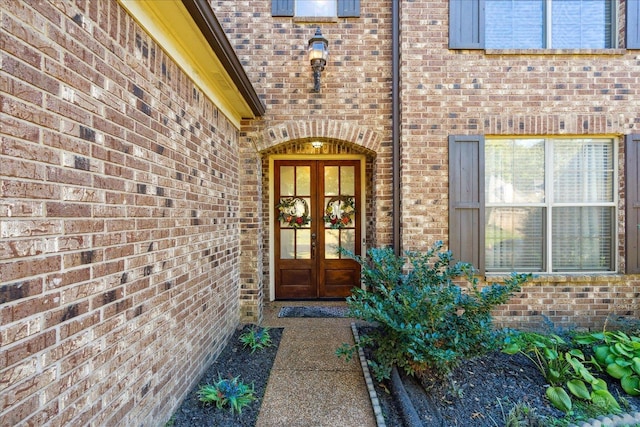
(191, 35)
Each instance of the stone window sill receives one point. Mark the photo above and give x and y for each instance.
(315, 19)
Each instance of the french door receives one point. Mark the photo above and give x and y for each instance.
(317, 209)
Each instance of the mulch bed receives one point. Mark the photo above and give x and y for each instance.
(480, 393)
(232, 362)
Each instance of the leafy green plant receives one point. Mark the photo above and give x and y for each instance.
(619, 355)
(521, 415)
(427, 321)
(227, 392)
(256, 338)
(564, 369)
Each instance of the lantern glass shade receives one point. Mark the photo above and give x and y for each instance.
(318, 49)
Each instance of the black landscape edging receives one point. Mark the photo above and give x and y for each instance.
(409, 414)
(407, 411)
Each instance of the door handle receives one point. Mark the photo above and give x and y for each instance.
(313, 245)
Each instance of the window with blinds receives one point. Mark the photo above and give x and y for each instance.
(550, 24)
(550, 205)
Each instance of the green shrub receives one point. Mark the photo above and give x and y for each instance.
(427, 322)
(256, 338)
(231, 392)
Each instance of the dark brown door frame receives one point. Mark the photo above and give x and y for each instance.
(360, 240)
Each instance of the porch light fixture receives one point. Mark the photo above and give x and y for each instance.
(316, 144)
(318, 54)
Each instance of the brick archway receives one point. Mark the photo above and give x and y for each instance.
(322, 129)
(290, 137)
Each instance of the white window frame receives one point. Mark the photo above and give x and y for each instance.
(549, 204)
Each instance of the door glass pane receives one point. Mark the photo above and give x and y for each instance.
(347, 181)
(287, 243)
(303, 180)
(348, 240)
(303, 243)
(514, 238)
(331, 243)
(286, 181)
(331, 177)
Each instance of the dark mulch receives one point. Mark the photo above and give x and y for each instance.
(232, 362)
(480, 393)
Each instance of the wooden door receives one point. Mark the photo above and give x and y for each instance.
(317, 212)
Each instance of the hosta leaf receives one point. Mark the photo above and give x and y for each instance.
(576, 353)
(559, 398)
(623, 349)
(558, 339)
(605, 400)
(579, 389)
(601, 353)
(599, 384)
(588, 339)
(635, 364)
(611, 358)
(550, 354)
(622, 336)
(622, 362)
(631, 385)
(617, 371)
(586, 374)
(512, 348)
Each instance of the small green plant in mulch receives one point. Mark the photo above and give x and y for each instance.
(520, 415)
(256, 338)
(227, 392)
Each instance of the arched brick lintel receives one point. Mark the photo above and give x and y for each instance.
(322, 129)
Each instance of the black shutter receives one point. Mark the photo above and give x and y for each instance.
(281, 7)
(466, 199)
(633, 24)
(466, 24)
(348, 8)
(632, 203)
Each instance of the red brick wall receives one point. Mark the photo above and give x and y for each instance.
(451, 92)
(119, 220)
(351, 114)
(133, 214)
(443, 92)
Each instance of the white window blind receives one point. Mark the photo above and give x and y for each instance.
(550, 205)
(557, 24)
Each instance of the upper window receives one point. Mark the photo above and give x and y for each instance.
(316, 8)
(550, 205)
(549, 24)
(542, 24)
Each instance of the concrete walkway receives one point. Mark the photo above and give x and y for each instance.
(309, 385)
